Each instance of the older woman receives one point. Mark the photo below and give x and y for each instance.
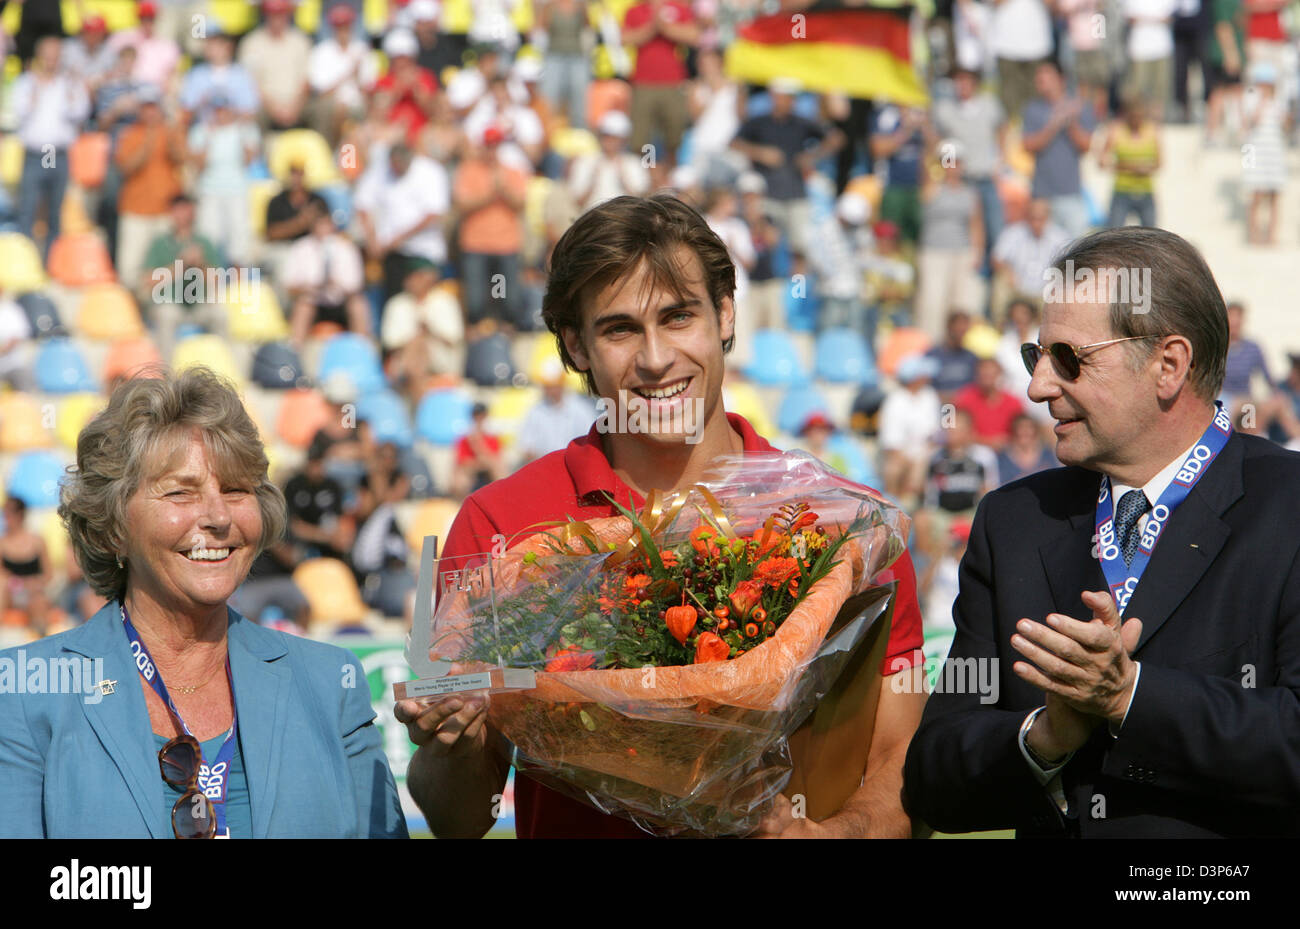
(194, 721)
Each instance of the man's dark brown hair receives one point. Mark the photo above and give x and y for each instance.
(609, 241)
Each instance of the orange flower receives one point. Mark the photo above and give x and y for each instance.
(807, 519)
(571, 658)
(776, 571)
(765, 540)
(702, 540)
(680, 621)
(669, 558)
(746, 596)
(708, 647)
(633, 586)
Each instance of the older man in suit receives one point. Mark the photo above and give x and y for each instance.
(1139, 608)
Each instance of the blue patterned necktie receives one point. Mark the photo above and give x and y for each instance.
(1131, 507)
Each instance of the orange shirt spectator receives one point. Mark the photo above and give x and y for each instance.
(495, 228)
(150, 190)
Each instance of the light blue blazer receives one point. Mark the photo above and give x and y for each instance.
(77, 767)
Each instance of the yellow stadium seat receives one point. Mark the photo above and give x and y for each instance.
(209, 350)
(259, 195)
(457, 15)
(12, 17)
(742, 397)
(117, 15)
(13, 65)
(374, 15)
(75, 410)
(309, 147)
(302, 413)
(431, 517)
(128, 356)
(570, 143)
(23, 423)
(81, 260)
(11, 160)
(255, 315)
(522, 17)
(981, 340)
(72, 217)
(20, 264)
(511, 404)
(544, 354)
(331, 592)
(235, 16)
(308, 16)
(56, 542)
(107, 312)
(539, 188)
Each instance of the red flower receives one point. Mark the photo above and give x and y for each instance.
(669, 558)
(708, 647)
(746, 596)
(571, 658)
(807, 519)
(776, 571)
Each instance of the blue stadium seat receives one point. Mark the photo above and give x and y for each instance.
(352, 355)
(35, 478)
(416, 468)
(774, 360)
(800, 402)
(843, 357)
(60, 369)
(339, 199)
(847, 455)
(386, 413)
(443, 416)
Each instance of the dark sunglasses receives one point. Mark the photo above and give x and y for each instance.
(193, 816)
(1064, 355)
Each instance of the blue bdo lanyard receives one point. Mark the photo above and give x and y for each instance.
(1123, 581)
(214, 780)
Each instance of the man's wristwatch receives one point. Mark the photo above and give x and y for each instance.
(1044, 763)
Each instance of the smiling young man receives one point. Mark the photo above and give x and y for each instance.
(1141, 605)
(640, 302)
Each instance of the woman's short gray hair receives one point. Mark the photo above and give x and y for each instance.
(146, 422)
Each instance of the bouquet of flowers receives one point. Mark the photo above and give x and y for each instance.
(676, 650)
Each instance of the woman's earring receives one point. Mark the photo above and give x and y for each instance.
(119, 561)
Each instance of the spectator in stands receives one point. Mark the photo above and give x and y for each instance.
(400, 202)
(1264, 154)
(613, 171)
(961, 472)
(276, 55)
(1150, 51)
(1245, 360)
(423, 331)
(156, 55)
(1285, 426)
(1058, 132)
(290, 215)
(909, 420)
(1226, 57)
(173, 263)
(1191, 27)
(324, 275)
(661, 31)
(1086, 29)
(16, 347)
(341, 71)
(149, 153)
(1022, 38)
(25, 574)
(951, 244)
(471, 82)
(317, 521)
(344, 442)
(715, 106)
(478, 456)
(891, 275)
(783, 147)
(524, 146)
(1021, 254)
(814, 434)
(720, 213)
(49, 106)
(555, 420)
(407, 94)
(218, 78)
(116, 103)
(954, 363)
(89, 56)
(1132, 148)
(766, 305)
(568, 65)
(900, 137)
(489, 198)
(379, 554)
(221, 149)
(1026, 453)
(36, 21)
(992, 409)
(1021, 327)
(839, 262)
(438, 51)
(975, 120)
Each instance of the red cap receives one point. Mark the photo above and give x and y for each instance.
(276, 6)
(146, 10)
(814, 420)
(493, 135)
(94, 23)
(885, 230)
(960, 530)
(341, 14)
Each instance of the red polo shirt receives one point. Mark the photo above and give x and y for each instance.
(571, 482)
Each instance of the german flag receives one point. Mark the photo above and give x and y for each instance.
(832, 46)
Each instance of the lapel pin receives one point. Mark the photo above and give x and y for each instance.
(106, 687)
(1195, 546)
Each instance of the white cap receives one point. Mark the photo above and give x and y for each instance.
(751, 182)
(528, 68)
(401, 43)
(853, 208)
(421, 11)
(615, 122)
(785, 85)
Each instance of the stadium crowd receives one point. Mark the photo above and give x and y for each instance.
(347, 209)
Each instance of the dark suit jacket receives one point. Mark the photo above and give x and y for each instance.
(1211, 745)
